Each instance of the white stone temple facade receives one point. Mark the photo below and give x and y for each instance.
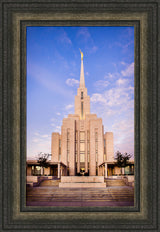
(82, 148)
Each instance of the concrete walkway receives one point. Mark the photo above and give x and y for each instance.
(55, 196)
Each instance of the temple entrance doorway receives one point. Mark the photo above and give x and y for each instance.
(82, 171)
(54, 170)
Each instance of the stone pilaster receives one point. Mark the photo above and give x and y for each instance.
(92, 157)
(59, 170)
(72, 161)
(106, 166)
(78, 154)
(86, 153)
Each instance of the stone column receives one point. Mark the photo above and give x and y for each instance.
(78, 152)
(103, 170)
(106, 170)
(41, 170)
(86, 153)
(59, 170)
(98, 171)
(29, 171)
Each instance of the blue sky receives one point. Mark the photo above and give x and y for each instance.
(53, 72)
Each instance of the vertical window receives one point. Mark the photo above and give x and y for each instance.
(81, 95)
(59, 149)
(88, 144)
(76, 135)
(32, 171)
(76, 144)
(68, 145)
(81, 110)
(96, 145)
(82, 146)
(104, 146)
(105, 156)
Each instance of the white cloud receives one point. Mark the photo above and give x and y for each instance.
(68, 107)
(129, 71)
(124, 134)
(97, 97)
(124, 46)
(85, 36)
(113, 97)
(121, 81)
(101, 83)
(58, 129)
(52, 124)
(43, 146)
(123, 63)
(37, 145)
(72, 82)
(44, 136)
(116, 107)
(58, 113)
(131, 88)
(112, 75)
(36, 133)
(46, 78)
(110, 112)
(64, 38)
(84, 33)
(87, 73)
(93, 49)
(35, 140)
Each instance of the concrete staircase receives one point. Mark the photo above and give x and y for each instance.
(114, 182)
(108, 183)
(112, 196)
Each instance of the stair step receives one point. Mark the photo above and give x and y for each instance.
(116, 182)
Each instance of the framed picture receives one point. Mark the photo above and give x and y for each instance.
(76, 161)
(19, 20)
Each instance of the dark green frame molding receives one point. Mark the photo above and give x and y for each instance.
(15, 16)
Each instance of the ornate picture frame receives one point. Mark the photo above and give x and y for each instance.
(15, 16)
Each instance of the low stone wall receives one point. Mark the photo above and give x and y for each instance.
(82, 185)
(129, 180)
(114, 177)
(82, 182)
(82, 179)
(32, 178)
(36, 180)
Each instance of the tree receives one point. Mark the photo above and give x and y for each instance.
(122, 159)
(43, 160)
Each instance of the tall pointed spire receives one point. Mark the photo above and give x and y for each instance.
(82, 82)
(82, 100)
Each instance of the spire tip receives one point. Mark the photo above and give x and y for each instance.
(81, 54)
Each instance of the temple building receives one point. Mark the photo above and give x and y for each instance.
(82, 147)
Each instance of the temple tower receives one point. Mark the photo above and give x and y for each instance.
(81, 143)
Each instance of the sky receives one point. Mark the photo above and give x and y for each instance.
(53, 73)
